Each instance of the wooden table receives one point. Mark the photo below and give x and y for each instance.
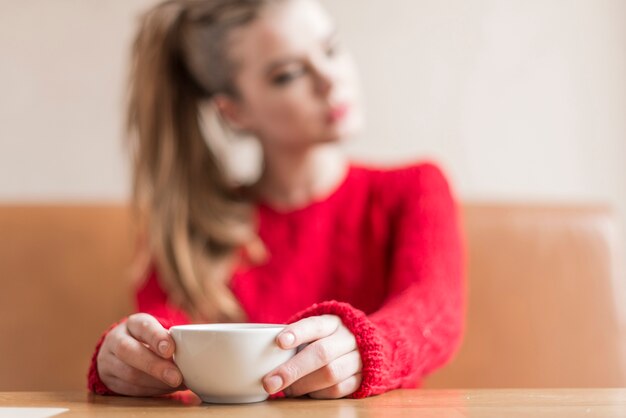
(502, 403)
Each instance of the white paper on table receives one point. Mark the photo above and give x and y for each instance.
(30, 412)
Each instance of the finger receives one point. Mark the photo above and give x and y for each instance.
(333, 373)
(127, 373)
(148, 330)
(137, 355)
(340, 390)
(313, 357)
(123, 387)
(307, 330)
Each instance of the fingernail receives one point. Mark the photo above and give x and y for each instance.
(273, 384)
(163, 347)
(172, 377)
(286, 339)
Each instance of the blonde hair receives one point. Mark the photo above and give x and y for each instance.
(196, 221)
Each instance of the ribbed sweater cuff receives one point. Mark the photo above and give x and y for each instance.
(368, 340)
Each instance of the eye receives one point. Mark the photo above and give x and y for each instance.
(333, 49)
(286, 77)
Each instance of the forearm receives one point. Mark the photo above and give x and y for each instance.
(419, 334)
(402, 342)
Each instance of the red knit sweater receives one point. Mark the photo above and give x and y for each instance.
(383, 252)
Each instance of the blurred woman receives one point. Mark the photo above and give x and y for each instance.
(363, 263)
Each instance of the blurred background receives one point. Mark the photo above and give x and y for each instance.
(521, 101)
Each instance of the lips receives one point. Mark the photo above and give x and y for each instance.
(338, 112)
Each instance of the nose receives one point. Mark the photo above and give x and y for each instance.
(324, 80)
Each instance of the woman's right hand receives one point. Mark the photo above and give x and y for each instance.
(136, 358)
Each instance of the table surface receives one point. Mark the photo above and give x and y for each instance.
(510, 403)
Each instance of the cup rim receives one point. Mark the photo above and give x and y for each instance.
(227, 327)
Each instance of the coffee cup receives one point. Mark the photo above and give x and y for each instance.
(225, 363)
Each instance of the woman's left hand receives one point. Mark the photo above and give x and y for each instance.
(329, 367)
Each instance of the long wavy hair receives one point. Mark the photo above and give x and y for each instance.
(195, 221)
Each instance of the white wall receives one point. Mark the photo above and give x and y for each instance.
(519, 99)
(62, 69)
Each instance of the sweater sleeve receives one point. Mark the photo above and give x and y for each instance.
(420, 323)
(151, 299)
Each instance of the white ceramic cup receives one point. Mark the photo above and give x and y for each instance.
(225, 363)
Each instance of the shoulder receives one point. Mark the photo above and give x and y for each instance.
(399, 182)
(415, 192)
(424, 175)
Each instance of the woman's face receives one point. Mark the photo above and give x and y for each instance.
(297, 85)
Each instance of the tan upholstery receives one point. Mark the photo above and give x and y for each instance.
(64, 273)
(546, 300)
(543, 307)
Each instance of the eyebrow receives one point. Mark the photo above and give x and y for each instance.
(279, 63)
(288, 59)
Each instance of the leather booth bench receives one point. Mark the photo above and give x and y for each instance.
(546, 295)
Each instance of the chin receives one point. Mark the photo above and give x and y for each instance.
(338, 134)
(334, 139)
(344, 131)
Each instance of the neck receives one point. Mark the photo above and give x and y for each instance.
(292, 179)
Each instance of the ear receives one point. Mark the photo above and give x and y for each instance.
(232, 111)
